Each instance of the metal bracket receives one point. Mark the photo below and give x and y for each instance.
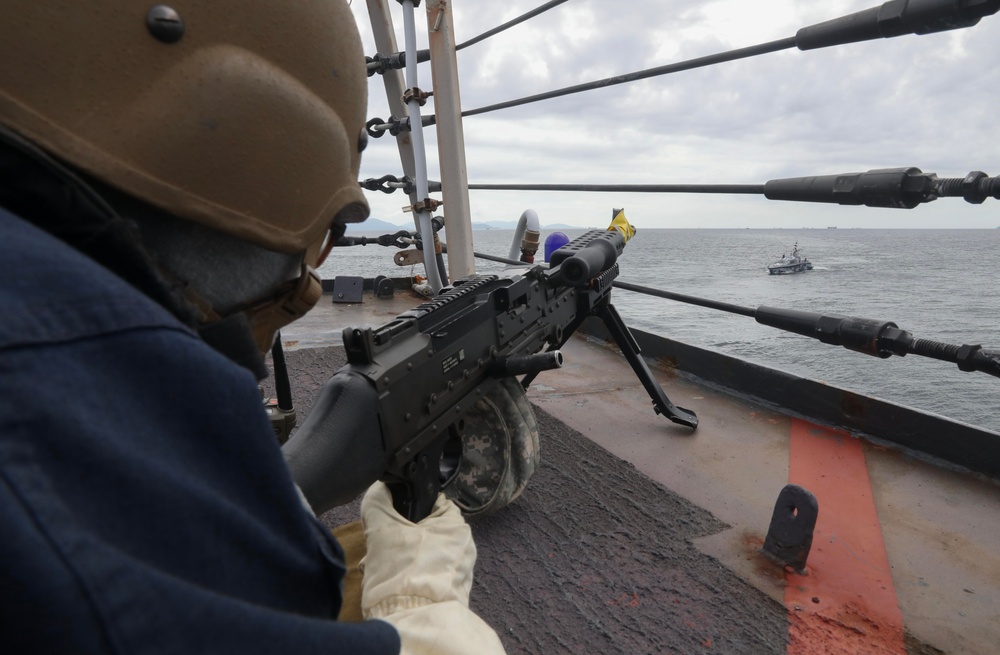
(416, 94)
(408, 257)
(383, 287)
(348, 288)
(789, 537)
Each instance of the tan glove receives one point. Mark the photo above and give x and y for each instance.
(417, 576)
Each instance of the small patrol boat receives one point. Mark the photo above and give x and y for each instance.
(794, 263)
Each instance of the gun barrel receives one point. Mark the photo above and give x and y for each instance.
(527, 364)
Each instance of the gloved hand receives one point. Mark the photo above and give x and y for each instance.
(417, 576)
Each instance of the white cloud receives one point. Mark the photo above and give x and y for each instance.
(925, 101)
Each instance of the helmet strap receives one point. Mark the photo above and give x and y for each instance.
(289, 302)
(257, 322)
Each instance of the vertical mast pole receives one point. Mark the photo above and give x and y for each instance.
(451, 139)
(419, 150)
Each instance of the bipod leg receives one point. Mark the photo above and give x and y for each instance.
(619, 331)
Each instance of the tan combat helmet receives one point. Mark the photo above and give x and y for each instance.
(244, 116)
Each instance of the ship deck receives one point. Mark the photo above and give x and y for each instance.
(639, 535)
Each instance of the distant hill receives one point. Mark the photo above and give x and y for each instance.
(377, 225)
(373, 225)
(512, 225)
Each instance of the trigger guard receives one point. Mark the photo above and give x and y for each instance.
(451, 458)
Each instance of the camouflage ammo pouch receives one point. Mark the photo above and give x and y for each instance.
(501, 451)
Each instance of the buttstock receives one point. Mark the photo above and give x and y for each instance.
(338, 452)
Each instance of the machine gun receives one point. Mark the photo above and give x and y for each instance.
(394, 412)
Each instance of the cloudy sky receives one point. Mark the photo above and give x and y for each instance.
(925, 101)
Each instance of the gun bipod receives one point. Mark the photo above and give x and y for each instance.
(627, 343)
(633, 355)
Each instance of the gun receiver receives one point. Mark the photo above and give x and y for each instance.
(395, 411)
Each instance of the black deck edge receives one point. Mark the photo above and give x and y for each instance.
(957, 443)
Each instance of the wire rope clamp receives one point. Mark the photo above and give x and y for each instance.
(427, 204)
(416, 94)
(789, 537)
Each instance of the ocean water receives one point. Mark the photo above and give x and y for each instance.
(937, 284)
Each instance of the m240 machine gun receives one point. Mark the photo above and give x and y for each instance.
(395, 411)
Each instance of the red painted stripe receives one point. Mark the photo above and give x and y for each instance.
(846, 602)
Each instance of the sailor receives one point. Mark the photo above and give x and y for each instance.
(168, 178)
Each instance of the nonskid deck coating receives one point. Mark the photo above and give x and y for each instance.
(734, 465)
(595, 557)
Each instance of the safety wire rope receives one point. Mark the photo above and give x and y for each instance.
(885, 21)
(893, 187)
(891, 19)
(699, 62)
(509, 24)
(938, 15)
